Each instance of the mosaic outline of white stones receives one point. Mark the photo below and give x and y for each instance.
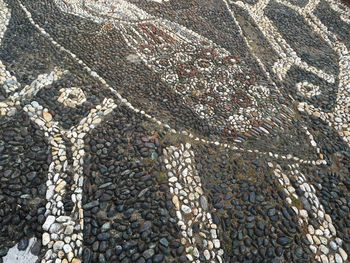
(339, 119)
(191, 205)
(267, 74)
(28, 93)
(342, 49)
(327, 227)
(324, 240)
(95, 75)
(118, 97)
(287, 56)
(64, 236)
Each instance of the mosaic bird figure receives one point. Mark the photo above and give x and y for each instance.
(209, 79)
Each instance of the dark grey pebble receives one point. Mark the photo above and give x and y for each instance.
(158, 258)
(91, 204)
(36, 248)
(284, 241)
(86, 255)
(23, 244)
(3, 251)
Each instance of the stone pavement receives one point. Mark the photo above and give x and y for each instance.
(174, 131)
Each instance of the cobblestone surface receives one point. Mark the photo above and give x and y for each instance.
(155, 131)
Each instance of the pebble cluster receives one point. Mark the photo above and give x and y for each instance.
(322, 235)
(9, 106)
(64, 235)
(198, 230)
(224, 146)
(128, 211)
(71, 97)
(339, 117)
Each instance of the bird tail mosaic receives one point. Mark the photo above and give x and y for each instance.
(154, 131)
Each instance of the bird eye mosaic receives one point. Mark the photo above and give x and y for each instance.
(174, 131)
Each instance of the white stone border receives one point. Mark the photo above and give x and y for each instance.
(9, 106)
(191, 205)
(63, 236)
(325, 244)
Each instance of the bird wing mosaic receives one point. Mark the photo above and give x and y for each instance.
(174, 131)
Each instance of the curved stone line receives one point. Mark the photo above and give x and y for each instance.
(324, 242)
(155, 120)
